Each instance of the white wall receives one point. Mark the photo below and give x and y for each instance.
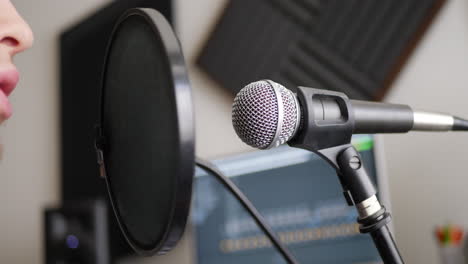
(428, 172)
(426, 188)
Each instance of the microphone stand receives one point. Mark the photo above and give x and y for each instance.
(359, 191)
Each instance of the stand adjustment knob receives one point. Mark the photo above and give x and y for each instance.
(355, 163)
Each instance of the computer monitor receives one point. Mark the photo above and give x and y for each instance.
(300, 196)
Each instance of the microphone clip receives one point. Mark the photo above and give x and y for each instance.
(327, 119)
(99, 146)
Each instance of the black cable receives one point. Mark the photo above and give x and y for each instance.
(249, 207)
(460, 124)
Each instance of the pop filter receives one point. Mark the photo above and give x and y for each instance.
(145, 140)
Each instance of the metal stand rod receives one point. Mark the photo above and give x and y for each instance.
(386, 246)
(360, 192)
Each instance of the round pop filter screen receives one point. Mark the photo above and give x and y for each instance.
(147, 131)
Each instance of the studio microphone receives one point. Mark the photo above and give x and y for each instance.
(265, 114)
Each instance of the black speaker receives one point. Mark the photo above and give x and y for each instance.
(77, 233)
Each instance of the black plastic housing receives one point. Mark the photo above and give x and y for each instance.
(317, 131)
(460, 124)
(353, 175)
(373, 117)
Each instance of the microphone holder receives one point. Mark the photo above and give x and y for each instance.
(330, 138)
(359, 191)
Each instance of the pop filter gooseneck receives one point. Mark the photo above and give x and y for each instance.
(145, 140)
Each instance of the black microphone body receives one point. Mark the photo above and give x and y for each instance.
(373, 117)
(266, 115)
(369, 117)
(376, 117)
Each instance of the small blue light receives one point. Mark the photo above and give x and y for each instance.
(72, 241)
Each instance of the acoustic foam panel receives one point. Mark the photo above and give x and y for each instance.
(353, 46)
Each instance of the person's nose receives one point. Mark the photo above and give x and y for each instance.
(15, 34)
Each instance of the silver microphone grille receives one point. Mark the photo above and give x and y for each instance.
(265, 114)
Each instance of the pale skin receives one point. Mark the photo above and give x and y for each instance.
(15, 37)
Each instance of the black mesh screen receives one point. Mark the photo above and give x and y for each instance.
(140, 126)
(82, 52)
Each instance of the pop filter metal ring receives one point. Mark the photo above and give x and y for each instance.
(185, 123)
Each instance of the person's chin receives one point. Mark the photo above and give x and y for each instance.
(5, 113)
(3, 117)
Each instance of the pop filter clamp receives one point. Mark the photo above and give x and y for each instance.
(334, 146)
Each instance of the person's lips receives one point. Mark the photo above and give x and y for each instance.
(8, 81)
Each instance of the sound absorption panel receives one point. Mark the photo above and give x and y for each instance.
(354, 46)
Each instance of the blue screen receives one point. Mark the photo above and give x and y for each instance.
(300, 196)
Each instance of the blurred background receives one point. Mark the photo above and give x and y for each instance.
(409, 52)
